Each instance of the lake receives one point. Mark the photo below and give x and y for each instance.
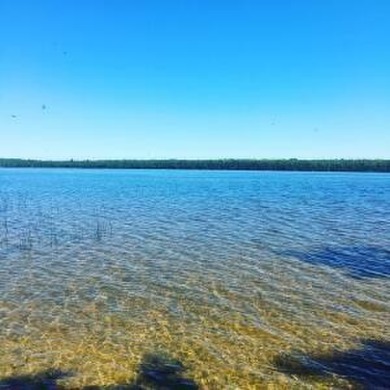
(198, 279)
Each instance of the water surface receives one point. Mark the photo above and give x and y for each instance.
(248, 279)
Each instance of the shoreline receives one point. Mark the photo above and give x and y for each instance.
(290, 165)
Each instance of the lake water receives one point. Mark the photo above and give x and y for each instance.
(243, 280)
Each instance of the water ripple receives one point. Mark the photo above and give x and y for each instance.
(232, 273)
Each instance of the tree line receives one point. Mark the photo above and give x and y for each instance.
(333, 165)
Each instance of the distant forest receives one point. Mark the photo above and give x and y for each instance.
(336, 165)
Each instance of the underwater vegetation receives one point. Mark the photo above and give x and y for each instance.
(367, 367)
(154, 372)
(41, 380)
(358, 261)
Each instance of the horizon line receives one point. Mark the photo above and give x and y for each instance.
(194, 159)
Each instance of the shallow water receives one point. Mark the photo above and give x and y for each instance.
(248, 279)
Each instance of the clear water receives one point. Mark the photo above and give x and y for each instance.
(248, 279)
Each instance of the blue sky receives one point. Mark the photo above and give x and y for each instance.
(194, 79)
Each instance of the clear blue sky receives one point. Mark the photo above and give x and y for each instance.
(194, 79)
